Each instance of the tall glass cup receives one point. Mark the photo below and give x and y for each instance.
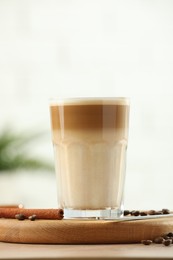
(90, 140)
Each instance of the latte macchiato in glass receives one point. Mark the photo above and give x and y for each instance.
(90, 138)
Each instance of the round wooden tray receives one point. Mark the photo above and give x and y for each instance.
(82, 232)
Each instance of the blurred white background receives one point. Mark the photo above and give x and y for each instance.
(91, 48)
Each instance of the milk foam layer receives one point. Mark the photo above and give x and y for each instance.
(89, 101)
(90, 141)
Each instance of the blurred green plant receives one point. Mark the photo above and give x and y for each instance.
(15, 152)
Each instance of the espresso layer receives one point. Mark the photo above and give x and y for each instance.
(89, 116)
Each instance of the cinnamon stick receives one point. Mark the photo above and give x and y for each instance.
(40, 213)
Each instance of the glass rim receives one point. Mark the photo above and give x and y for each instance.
(89, 100)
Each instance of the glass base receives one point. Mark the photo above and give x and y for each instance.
(92, 214)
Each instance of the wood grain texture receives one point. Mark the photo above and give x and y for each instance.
(82, 232)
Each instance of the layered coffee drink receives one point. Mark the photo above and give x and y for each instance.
(90, 141)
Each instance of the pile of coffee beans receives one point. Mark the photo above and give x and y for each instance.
(23, 217)
(146, 213)
(166, 240)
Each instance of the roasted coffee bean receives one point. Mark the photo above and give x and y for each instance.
(170, 234)
(136, 213)
(167, 242)
(143, 213)
(132, 212)
(166, 211)
(20, 216)
(126, 212)
(152, 212)
(32, 218)
(159, 240)
(146, 242)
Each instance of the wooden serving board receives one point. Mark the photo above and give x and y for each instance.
(82, 232)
